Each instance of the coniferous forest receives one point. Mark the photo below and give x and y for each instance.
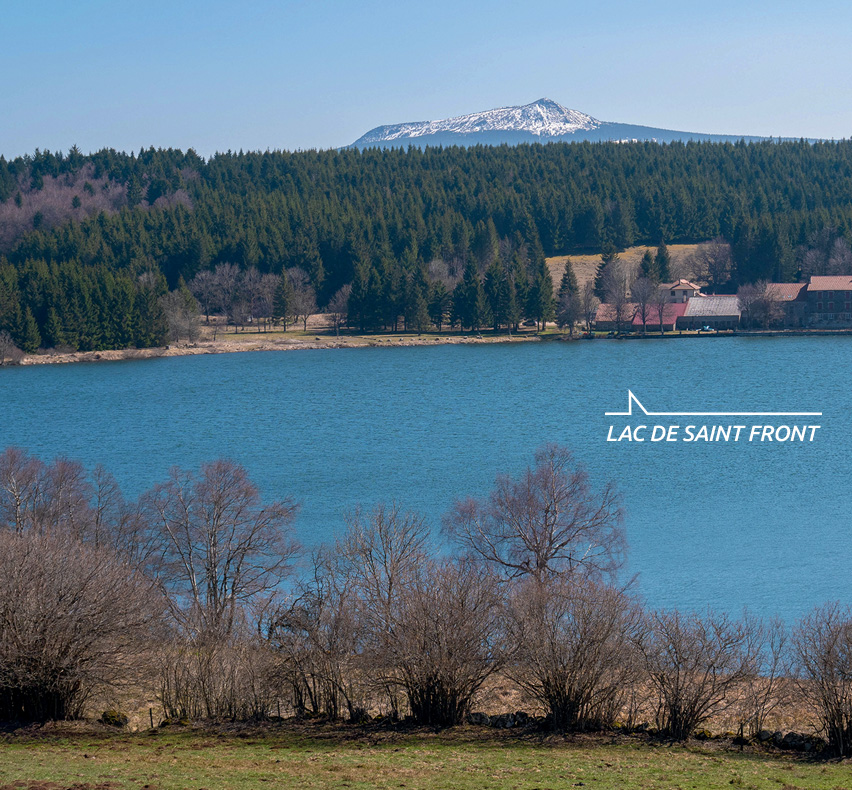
(91, 243)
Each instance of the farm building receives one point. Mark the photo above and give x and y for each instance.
(608, 320)
(717, 312)
(681, 290)
(671, 313)
(793, 300)
(830, 301)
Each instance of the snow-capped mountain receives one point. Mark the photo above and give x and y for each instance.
(544, 118)
(541, 121)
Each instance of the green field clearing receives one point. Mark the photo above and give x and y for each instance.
(320, 757)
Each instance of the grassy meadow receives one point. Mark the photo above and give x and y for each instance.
(317, 756)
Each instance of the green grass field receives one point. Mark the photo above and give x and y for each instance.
(317, 757)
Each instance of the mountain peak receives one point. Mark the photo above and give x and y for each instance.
(543, 118)
(541, 121)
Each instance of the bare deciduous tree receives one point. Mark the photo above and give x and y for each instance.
(572, 649)
(204, 287)
(338, 307)
(758, 309)
(21, 477)
(548, 522)
(380, 555)
(659, 301)
(73, 619)
(768, 688)
(317, 634)
(712, 262)
(616, 289)
(568, 311)
(181, 312)
(304, 295)
(226, 277)
(695, 664)
(642, 294)
(222, 550)
(9, 352)
(443, 646)
(822, 651)
(589, 304)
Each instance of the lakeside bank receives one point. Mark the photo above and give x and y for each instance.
(280, 341)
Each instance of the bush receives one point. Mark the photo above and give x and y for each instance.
(822, 648)
(571, 642)
(695, 664)
(73, 619)
(114, 718)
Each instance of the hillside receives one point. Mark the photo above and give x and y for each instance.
(585, 266)
(92, 243)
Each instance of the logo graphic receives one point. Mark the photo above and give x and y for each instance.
(631, 399)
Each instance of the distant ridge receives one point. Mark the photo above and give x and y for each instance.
(541, 121)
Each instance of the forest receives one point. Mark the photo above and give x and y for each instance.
(196, 595)
(91, 244)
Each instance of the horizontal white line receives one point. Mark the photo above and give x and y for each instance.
(631, 399)
(717, 413)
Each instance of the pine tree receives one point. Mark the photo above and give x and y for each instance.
(29, 338)
(568, 284)
(541, 304)
(648, 267)
(469, 304)
(53, 334)
(282, 300)
(663, 262)
(440, 303)
(491, 287)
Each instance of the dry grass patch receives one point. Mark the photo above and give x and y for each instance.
(585, 266)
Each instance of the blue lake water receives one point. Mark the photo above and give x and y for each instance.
(763, 525)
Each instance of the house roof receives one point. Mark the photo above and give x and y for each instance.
(712, 306)
(671, 313)
(786, 292)
(838, 283)
(680, 284)
(606, 312)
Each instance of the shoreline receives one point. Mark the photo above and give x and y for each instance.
(248, 342)
(277, 341)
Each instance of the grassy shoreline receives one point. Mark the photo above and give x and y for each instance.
(319, 755)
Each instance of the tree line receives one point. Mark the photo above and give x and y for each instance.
(397, 226)
(198, 592)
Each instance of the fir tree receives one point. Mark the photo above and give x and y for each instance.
(440, 303)
(53, 333)
(663, 263)
(29, 338)
(282, 301)
(541, 304)
(568, 284)
(609, 256)
(648, 267)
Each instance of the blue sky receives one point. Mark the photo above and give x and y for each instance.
(257, 75)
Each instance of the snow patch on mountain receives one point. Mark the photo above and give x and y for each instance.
(543, 118)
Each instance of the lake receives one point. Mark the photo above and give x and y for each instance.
(721, 524)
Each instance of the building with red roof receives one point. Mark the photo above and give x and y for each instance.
(671, 312)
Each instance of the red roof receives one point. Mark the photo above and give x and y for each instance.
(671, 313)
(786, 292)
(841, 283)
(606, 312)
